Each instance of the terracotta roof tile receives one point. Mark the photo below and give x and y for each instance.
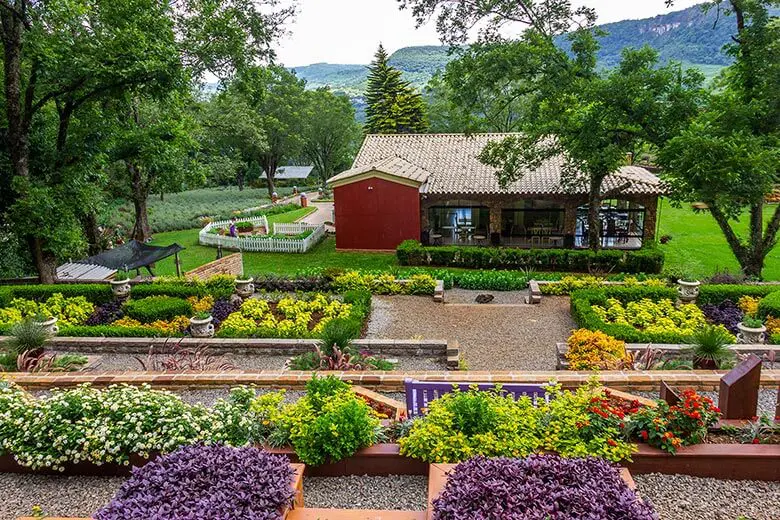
(449, 164)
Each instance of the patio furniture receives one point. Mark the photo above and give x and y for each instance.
(436, 239)
(480, 237)
(420, 393)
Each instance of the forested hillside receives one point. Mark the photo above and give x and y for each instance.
(690, 36)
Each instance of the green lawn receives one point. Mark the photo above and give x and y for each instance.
(697, 246)
(322, 255)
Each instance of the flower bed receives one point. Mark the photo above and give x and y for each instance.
(649, 315)
(254, 236)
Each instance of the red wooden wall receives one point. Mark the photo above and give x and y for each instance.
(376, 214)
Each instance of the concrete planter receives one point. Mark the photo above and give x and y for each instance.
(751, 336)
(245, 288)
(688, 291)
(202, 328)
(120, 288)
(50, 326)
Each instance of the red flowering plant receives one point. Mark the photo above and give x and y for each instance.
(669, 427)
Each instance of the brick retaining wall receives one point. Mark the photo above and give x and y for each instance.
(703, 380)
(230, 264)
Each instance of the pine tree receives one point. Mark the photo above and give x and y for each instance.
(394, 106)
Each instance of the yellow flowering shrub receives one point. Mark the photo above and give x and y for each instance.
(288, 318)
(772, 325)
(175, 326)
(204, 304)
(594, 350)
(649, 316)
(748, 305)
(10, 316)
(69, 311)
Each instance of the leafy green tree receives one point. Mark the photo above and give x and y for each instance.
(278, 100)
(155, 151)
(729, 156)
(331, 134)
(393, 105)
(61, 57)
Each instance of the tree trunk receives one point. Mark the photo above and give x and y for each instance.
(92, 232)
(269, 165)
(162, 196)
(240, 175)
(45, 262)
(15, 107)
(271, 187)
(594, 216)
(142, 231)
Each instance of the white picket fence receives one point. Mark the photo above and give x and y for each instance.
(261, 244)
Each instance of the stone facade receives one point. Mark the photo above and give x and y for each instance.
(231, 264)
(570, 203)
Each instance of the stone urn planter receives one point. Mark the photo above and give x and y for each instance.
(202, 328)
(120, 288)
(245, 288)
(751, 335)
(50, 326)
(688, 291)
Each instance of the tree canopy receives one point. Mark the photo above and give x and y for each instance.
(393, 105)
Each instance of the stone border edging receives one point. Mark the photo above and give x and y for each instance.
(640, 381)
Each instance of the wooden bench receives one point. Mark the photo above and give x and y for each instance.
(420, 393)
(534, 293)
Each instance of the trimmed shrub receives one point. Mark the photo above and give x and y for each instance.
(649, 259)
(538, 487)
(206, 482)
(113, 331)
(153, 308)
(770, 305)
(594, 350)
(716, 294)
(493, 280)
(94, 293)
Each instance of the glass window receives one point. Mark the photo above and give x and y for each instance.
(445, 220)
(622, 225)
(530, 217)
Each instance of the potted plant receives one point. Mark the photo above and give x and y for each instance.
(120, 285)
(245, 287)
(201, 325)
(688, 288)
(710, 348)
(47, 323)
(752, 331)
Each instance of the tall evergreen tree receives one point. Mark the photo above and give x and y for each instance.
(394, 106)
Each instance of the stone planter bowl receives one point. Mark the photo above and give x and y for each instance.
(688, 291)
(50, 326)
(245, 288)
(202, 328)
(120, 288)
(751, 336)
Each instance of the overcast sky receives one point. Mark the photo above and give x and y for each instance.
(348, 31)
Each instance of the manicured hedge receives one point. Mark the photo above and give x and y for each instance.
(95, 293)
(716, 294)
(153, 308)
(770, 305)
(583, 314)
(646, 260)
(112, 331)
(183, 289)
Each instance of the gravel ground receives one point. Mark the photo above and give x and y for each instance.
(57, 496)
(680, 497)
(767, 399)
(491, 337)
(404, 492)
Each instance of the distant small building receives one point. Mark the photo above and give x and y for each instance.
(292, 173)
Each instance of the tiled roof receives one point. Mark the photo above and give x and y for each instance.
(391, 165)
(292, 172)
(449, 164)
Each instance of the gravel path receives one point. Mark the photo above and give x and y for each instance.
(492, 337)
(57, 496)
(499, 297)
(404, 492)
(767, 399)
(680, 497)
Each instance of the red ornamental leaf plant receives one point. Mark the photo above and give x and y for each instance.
(539, 487)
(204, 483)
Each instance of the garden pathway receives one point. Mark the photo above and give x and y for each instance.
(504, 335)
(323, 214)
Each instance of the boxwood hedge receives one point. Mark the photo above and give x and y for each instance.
(95, 293)
(770, 305)
(153, 308)
(649, 259)
(716, 294)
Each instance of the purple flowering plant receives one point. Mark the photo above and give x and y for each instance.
(726, 313)
(539, 487)
(202, 482)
